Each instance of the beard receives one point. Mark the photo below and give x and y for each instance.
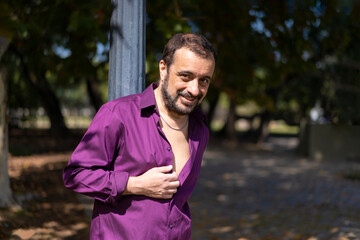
(171, 102)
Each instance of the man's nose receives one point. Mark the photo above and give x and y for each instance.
(193, 87)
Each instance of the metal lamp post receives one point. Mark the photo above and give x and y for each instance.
(127, 48)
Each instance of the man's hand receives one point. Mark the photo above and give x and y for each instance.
(158, 182)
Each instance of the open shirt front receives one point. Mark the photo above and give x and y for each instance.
(125, 139)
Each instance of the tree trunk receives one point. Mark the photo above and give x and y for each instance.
(212, 106)
(47, 96)
(303, 146)
(94, 93)
(51, 105)
(228, 131)
(230, 125)
(263, 131)
(5, 193)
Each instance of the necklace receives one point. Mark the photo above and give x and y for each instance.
(173, 128)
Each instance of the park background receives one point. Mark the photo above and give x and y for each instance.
(286, 91)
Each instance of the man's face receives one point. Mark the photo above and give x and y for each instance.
(185, 84)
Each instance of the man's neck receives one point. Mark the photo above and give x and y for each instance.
(165, 113)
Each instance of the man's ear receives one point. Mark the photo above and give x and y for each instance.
(162, 69)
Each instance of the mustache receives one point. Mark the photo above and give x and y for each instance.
(187, 94)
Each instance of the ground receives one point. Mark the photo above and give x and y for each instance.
(43, 208)
(244, 192)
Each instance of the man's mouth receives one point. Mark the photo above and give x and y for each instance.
(189, 99)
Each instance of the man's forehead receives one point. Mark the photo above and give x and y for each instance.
(199, 53)
(188, 55)
(186, 61)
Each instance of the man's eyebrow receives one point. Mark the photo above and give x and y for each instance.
(191, 73)
(185, 72)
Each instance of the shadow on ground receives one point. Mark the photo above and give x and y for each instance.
(273, 193)
(243, 192)
(45, 209)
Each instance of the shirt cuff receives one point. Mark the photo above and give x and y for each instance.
(120, 180)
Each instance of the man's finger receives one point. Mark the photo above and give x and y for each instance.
(172, 191)
(167, 196)
(174, 184)
(165, 169)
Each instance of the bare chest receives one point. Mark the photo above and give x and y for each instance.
(180, 147)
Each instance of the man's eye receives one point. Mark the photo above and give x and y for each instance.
(185, 76)
(204, 81)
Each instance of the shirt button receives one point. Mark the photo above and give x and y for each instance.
(171, 226)
(168, 148)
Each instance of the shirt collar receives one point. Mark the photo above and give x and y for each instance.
(148, 100)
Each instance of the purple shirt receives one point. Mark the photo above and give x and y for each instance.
(125, 139)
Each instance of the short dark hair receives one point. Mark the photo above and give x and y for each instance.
(193, 41)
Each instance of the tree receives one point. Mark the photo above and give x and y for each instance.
(5, 36)
(283, 55)
(56, 46)
(5, 195)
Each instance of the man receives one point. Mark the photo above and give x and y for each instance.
(141, 156)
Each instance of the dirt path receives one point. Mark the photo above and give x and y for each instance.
(46, 210)
(274, 195)
(241, 194)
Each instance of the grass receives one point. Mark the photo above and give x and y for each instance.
(275, 127)
(280, 127)
(82, 122)
(353, 175)
(43, 122)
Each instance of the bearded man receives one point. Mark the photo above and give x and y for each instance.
(141, 156)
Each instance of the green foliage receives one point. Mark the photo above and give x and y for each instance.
(353, 175)
(277, 53)
(164, 18)
(282, 55)
(59, 42)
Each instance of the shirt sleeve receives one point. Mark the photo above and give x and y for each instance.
(89, 170)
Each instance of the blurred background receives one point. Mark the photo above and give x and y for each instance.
(288, 72)
(282, 64)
